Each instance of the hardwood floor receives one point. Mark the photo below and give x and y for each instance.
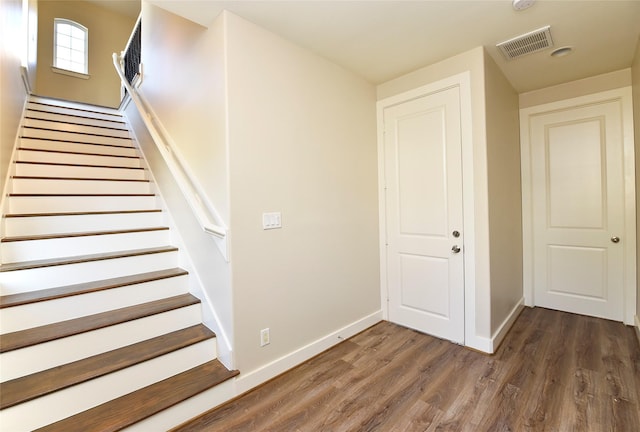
(555, 371)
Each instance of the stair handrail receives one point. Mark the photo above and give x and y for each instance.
(207, 217)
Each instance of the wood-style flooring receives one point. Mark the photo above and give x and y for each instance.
(554, 371)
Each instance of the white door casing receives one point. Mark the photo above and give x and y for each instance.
(424, 214)
(578, 199)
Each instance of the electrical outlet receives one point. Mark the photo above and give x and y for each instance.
(264, 337)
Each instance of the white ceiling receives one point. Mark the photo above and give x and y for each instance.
(381, 39)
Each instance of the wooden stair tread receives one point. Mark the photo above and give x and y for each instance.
(99, 109)
(28, 128)
(87, 287)
(76, 153)
(138, 405)
(71, 123)
(88, 213)
(34, 110)
(26, 265)
(45, 382)
(79, 142)
(78, 195)
(49, 332)
(81, 179)
(78, 165)
(80, 234)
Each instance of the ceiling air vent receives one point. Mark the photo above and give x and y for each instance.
(528, 43)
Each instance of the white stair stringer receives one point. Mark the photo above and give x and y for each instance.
(88, 273)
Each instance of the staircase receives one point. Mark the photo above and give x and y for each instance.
(98, 329)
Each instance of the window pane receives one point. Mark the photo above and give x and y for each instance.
(77, 44)
(63, 64)
(77, 57)
(63, 41)
(77, 33)
(64, 54)
(62, 28)
(77, 67)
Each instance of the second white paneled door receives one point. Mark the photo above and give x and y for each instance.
(424, 218)
(579, 234)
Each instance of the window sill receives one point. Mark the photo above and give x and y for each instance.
(70, 73)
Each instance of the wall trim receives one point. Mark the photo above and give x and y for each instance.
(637, 326)
(247, 381)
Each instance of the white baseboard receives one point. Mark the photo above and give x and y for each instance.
(490, 345)
(247, 381)
(638, 327)
(498, 335)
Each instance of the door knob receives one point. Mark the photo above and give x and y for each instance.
(455, 249)
(615, 239)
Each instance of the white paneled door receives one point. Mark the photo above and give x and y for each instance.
(423, 180)
(578, 209)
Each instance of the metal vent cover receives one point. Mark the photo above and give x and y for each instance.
(527, 43)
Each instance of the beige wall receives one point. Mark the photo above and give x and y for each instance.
(635, 72)
(505, 194)
(108, 33)
(12, 90)
(478, 316)
(302, 142)
(194, 117)
(598, 83)
(192, 107)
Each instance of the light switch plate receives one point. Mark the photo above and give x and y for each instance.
(271, 220)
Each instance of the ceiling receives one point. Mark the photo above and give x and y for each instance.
(381, 40)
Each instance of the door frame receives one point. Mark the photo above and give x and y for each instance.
(463, 82)
(622, 96)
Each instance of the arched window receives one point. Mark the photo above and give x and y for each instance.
(70, 46)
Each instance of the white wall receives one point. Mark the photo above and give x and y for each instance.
(12, 90)
(478, 282)
(302, 142)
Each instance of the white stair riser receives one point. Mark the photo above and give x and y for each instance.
(62, 404)
(13, 282)
(34, 112)
(38, 225)
(44, 204)
(82, 129)
(47, 355)
(76, 159)
(30, 250)
(41, 144)
(75, 137)
(28, 169)
(73, 186)
(48, 312)
(188, 409)
(53, 106)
